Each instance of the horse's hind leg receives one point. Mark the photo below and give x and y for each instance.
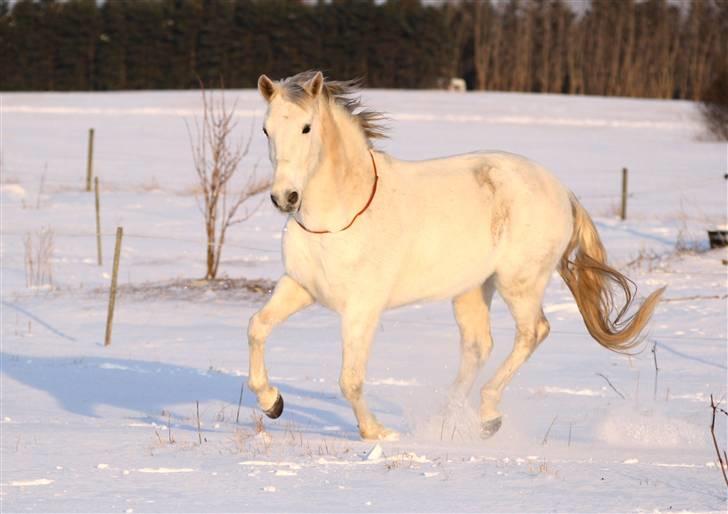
(472, 313)
(524, 297)
(288, 298)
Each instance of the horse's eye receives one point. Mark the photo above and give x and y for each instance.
(265, 132)
(306, 128)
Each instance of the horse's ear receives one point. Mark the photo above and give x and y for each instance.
(315, 85)
(266, 87)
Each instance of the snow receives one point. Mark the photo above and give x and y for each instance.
(93, 428)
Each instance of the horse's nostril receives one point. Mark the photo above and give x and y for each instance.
(292, 198)
(273, 199)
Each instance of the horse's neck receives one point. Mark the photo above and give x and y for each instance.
(342, 184)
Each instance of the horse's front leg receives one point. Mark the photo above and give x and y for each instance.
(358, 327)
(288, 298)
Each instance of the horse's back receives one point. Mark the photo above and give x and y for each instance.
(483, 182)
(472, 214)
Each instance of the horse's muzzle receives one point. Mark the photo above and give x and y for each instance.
(287, 202)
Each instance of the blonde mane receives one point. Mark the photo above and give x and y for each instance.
(340, 92)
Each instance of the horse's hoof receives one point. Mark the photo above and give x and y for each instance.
(381, 434)
(388, 435)
(490, 427)
(277, 409)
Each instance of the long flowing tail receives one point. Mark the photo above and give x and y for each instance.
(593, 284)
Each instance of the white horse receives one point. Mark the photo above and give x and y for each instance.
(367, 232)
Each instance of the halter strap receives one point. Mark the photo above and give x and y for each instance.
(371, 197)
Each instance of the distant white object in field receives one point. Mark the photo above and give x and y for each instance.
(30, 483)
(457, 84)
(368, 232)
(165, 470)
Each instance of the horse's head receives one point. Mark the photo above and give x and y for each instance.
(292, 125)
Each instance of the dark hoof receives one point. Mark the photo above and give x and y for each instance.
(277, 409)
(489, 428)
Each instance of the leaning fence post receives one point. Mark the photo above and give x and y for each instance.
(90, 159)
(623, 211)
(98, 221)
(112, 292)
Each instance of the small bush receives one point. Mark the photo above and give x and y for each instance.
(38, 255)
(714, 106)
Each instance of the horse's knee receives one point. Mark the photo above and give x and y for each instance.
(258, 328)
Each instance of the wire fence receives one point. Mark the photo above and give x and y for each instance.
(150, 237)
(675, 188)
(43, 184)
(190, 190)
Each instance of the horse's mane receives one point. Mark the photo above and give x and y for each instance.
(342, 93)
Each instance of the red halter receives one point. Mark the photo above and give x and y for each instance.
(371, 197)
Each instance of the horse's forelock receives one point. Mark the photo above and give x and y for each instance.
(340, 91)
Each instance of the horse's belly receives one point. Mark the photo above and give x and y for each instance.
(445, 266)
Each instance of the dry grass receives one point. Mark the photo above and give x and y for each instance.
(613, 210)
(542, 468)
(253, 441)
(195, 290)
(646, 259)
(41, 192)
(685, 243)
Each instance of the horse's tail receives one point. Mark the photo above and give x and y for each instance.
(592, 282)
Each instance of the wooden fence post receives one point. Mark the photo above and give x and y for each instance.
(98, 222)
(112, 292)
(90, 159)
(623, 211)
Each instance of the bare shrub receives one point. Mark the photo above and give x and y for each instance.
(685, 241)
(38, 254)
(216, 159)
(647, 258)
(240, 439)
(714, 106)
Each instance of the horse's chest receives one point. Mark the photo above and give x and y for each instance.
(323, 265)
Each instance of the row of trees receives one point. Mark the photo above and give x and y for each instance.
(651, 48)
(618, 47)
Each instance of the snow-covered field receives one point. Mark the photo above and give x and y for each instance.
(93, 428)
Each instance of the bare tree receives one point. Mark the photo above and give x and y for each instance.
(216, 159)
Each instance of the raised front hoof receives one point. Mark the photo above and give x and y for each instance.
(277, 409)
(490, 427)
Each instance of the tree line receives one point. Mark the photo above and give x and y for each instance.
(651, 48)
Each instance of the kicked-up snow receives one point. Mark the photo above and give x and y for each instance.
(115, 429)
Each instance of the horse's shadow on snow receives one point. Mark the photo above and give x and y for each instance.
(150, 388)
